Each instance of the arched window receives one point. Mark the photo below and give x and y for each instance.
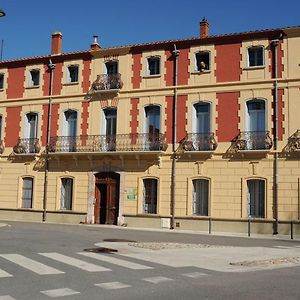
(150, 196)
(256, 198)
(200, 197)
(27, 192)
(66, 195)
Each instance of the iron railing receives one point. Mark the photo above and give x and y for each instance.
(293, 144)
(108, 143)
(200, 142)
(27, 146)
(253, 140)
(106, 82)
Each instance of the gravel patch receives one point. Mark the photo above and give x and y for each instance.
(160, 246)
(268, 262)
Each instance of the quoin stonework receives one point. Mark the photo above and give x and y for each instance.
(185, 133)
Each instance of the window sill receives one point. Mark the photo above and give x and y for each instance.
(201, 72)
(32, 87)
(255, 68)
(71, 83)
(152, 76)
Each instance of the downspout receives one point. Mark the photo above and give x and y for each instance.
(175, 54)
(275, 122)
(51, 67)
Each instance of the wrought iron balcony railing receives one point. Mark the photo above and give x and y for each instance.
(106, 82)
(293, 144)
(1, 147)
(27, 146)
(200, 142)
(108, 143)
(252, 140)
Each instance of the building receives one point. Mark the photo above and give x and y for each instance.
(200, 133)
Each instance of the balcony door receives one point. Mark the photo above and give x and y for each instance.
(152, 127)
(106, 209)
(31, 131)
(110, 128)
(70, 130)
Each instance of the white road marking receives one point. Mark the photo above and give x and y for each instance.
(115, 261)
(4, 274)
(75, 262)
(115, 285)
(195, 275)
(157, 279)
(30, 264)
(7, 297)
(59, 292)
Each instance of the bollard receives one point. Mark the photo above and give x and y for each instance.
(249, 222)
(292, 231)
(209, 225)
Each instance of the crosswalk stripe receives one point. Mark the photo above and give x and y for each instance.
(59, 292)
(157, 279)
(30, 264)
(115, 261)
(75, 262)
(115, 285)
(4, 274)
(195, 275)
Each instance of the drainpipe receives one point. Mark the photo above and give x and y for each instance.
(51, 67)
(275, 122)
(175, 54)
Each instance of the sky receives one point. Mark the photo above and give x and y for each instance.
(27, 27)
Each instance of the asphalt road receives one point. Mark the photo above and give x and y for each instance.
(47, 261)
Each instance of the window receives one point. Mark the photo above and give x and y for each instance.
(27, 191)
(255, 56)
(202, 117)
(110, 128)
(70, 130)
(256, 198)
(202, 61)
(150, 196)
(111, 67)
(1, 81)
(153, 65)
(152, 127)
(0, 128)
(66, 197)
(31, 131)
(200, 197)
(72, 74)
(34, 78)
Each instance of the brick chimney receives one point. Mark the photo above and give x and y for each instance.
(204, 27)
(95, 45)
(56, 44)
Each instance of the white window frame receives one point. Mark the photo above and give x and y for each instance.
(194, 116)
(263, 56)
(27, 125)
(205, 69)
(68, 73)
(247, 116)
(196, 203)
(31, 191)
(262, 202)
(31, 82)
(154, 57)
(63, 201)
(145, 208)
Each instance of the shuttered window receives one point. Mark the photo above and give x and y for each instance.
(66, 197)
(200, 197)
(256, 198)
(150, 196)
(27, 191)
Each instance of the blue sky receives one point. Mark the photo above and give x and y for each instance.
(27, 27)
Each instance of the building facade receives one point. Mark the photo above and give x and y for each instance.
(200, 133)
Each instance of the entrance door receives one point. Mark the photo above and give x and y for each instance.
(107, 198)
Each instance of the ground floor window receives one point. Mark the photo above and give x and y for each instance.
(66, 197)
(200, 197)
(150, 196)
(256, 198)
(27, 191)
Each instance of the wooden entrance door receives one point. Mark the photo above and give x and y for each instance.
(107, 198)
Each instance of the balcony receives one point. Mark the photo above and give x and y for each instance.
(108, 143)
(27, 146)
(106, 83)
(293, 145)
(252, 141)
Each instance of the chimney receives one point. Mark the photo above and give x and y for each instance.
(204, 27)
(95, 45)
(56, 43)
